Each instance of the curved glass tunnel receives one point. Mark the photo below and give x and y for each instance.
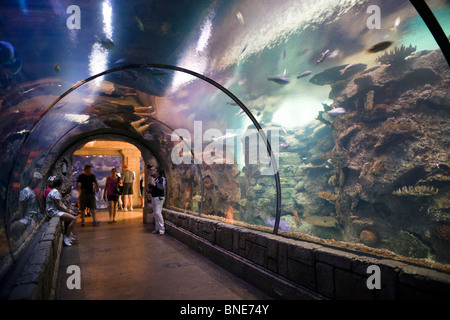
(354, 114)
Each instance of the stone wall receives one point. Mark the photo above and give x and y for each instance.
(38, 278)
(292, 269)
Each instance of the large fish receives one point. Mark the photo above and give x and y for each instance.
(324, 55)
(304, 74)
(380, 46)
(283, 225)
(226, 136)
(336, 112)
(279, 80)
(240, 18)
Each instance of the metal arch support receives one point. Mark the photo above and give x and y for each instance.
(195, 74)
(433, 25)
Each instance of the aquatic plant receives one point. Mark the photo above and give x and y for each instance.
(397, 56)
(377, 168)
(416, 191)
(327, 195)
(321, 119)
(296, 218)
(336, 88)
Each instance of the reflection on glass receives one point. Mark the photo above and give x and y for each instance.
(357, 118)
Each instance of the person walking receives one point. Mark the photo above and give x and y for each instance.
(87, 186)
(128, 184)
(55, 208)
(110, 194)
(157, 185)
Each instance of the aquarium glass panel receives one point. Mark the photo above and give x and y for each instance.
(340, 109)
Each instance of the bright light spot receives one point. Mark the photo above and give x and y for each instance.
(80, 118)
(107, 19)
(205, 34)
(297, 111)
(98, 59)
(194, 58)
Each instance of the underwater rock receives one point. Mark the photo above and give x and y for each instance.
(407, 244)
(335, 74)
(321, 221)
(368, 238)
(442, 232)
(208, 183)
(393, 134)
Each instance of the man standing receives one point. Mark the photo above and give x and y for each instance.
(128, 184)
(157, 187)
(87, 185)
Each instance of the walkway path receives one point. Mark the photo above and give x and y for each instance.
(125, 261)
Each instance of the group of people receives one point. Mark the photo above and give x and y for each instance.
(115, 186)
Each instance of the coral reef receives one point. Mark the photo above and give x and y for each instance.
(393, 134)
(416, 191)
(397, 56)
(368, 238)
(327, 196)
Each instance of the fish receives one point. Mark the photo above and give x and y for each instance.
(349, 66)
(283, 225)
(9, 57)
(56, 67)
(279, 80)
(380, 46)
(296, 218)
(324, 55)
(304, 74)
(232, 103)
(240, 113)
(153, 72)
(284, 145)
(107, 44)
(336, 112)
(240, 18)
(226, 136)
(139, 23)
(396, 24)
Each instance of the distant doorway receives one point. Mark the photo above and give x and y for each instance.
(103, 155)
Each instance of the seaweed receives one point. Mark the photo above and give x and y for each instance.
(321, 119)
(415, 191)
(397, 56)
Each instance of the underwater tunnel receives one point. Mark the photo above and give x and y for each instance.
(325, 122)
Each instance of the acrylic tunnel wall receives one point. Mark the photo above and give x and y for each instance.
(351, 98)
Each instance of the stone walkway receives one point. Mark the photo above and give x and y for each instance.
(125, 261)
